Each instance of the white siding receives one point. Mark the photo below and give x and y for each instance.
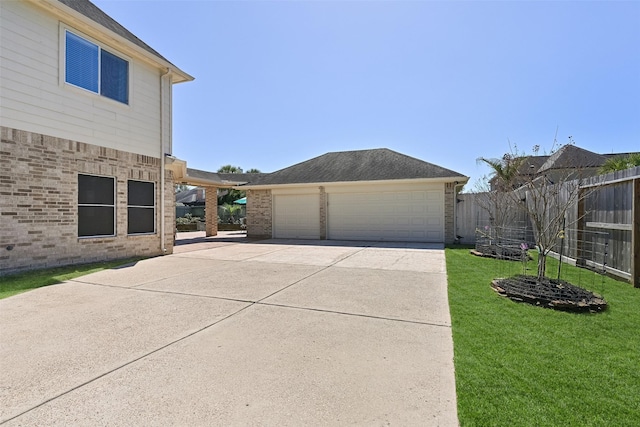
(34, 99)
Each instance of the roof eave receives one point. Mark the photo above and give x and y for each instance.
(456, 179)
(201, 182)
(103, 34)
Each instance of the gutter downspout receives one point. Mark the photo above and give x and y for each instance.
(455, 209)
(163, 247)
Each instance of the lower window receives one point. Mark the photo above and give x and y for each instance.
(96, 206)
(141, 207)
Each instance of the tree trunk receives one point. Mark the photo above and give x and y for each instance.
(542, 265)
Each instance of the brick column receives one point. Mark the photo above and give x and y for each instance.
(259, 207)
(211, 210)
(449, 206)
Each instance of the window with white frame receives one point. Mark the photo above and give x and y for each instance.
(96, 206)
(90, 67)
(141, 209)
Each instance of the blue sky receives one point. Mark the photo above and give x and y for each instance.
(279, 82)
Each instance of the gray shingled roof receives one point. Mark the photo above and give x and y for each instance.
(241, 177)
(203, 175)
(570, 156)
(222, 178)
(91, 11)
(365, 165)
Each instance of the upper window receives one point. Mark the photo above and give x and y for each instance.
(96, 206)
(141, 207)
(90, 67)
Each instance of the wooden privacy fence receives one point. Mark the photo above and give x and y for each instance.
(608, 203)
(612, 204)
(471, 215)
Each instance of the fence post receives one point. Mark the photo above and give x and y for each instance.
(635, 234)
(580, 261)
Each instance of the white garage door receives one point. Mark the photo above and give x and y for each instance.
(296, 216)
(393, 216)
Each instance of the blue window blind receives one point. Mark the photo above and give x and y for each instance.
(81, 63)
(114, 77)
(92, 68)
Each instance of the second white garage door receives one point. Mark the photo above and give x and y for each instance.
(296, 216)
(392, 216)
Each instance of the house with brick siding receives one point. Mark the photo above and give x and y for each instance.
(85, 123)
(375, 195)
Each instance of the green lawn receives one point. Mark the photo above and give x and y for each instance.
(520, 365)
(18, 283)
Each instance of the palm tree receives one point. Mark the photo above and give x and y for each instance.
(254, 170)
(231, 209)
(504, 171)
(230, 169)
(614, 164)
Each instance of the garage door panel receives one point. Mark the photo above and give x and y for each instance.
(433, 221)
(296, 216)
(419, 221)
(401, 216)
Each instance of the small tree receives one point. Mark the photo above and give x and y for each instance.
(546, 197)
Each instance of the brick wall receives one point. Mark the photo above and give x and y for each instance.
(39, 194)
(259, 209)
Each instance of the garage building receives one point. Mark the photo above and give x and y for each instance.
(375, 195)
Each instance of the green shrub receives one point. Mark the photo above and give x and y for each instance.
(188, 219)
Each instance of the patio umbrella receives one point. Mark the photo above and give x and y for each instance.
(242, 201)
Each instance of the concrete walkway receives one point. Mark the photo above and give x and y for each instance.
(268, 333)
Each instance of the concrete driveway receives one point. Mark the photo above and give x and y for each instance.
(260, 333)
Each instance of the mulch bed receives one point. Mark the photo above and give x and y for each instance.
(549, 293)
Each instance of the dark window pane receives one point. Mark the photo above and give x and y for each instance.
(140, 220)
(114, 77)
(95, 190)
(95, 221)
(140, 193)
(81, 62)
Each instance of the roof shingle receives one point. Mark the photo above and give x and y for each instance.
(93, 12)
(363, 165)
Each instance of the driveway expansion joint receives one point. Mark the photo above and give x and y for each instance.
(326, 267)
(344, 313)
(124, 365)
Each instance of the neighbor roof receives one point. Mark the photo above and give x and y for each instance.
(364, 165)
(191, 196)
(570, 156)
